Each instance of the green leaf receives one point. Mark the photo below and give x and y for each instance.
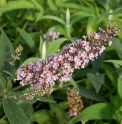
(41, 117)
(54, 18)
(34, 59)
(54, 46)
(59, 3)
(78, 18)
(27, 108)
(112, 76)
(117, 44)
(119, 62)
(91, 27)
(74, 6)
(90, 94)
(27, 38)
(96, 111)
(19, 4)
(73, 83)
(60, 113)
(14, 113)
(51, 5)
(97, 62)
(97, 80)
(44, 99)
(119, 88)
(6, 52)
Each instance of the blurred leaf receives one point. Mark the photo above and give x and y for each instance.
(27, 108)
(73, 83)
(117, 44)
(3, 122)
(112, 76)
(97, 62)
(119, 88)
(44, 99)
(90, 94)
(14, 113)
(97, 80)
(78, 18)
(19, 4)
(54, 18)
(43, 52)
(54, 46)
(74, 6)
(51, 5)
(59, 3)
(119, 70)
(119, 62)
(41, 117)
(93, 112)
(60, 114)
(40, 46)
(34, 59)
(39, 7)
(6, 52)
(2, 2)
(91, 27)
(27, 38)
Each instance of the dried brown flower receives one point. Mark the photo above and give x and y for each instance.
(74, 101)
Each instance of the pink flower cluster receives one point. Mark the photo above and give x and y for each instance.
(61, 65)
(51, 35)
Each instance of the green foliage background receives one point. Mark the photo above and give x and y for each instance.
(26, 21)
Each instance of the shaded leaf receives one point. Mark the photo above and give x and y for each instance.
(116, 44)
(44, 99)
(6, 52)
(90, 94)
(97, 62)
(27, 38)
(14, 113)
(41, 117)
(97, 80)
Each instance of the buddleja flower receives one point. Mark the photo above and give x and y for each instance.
(74, 101)
(60, 66)
(51, 35)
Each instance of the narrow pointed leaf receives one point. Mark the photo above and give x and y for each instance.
(119, 62)
(27, 38)
(44, 99)
(13, 5)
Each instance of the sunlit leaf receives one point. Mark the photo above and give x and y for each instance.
(20, 4)
(93, 112)
(119, 62)
(55, 45)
